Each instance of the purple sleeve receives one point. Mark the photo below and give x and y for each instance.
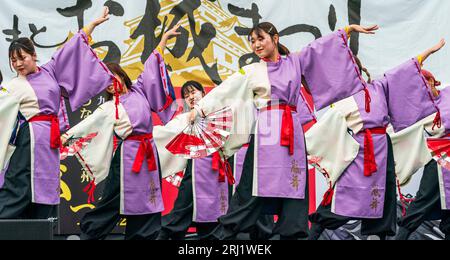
(329, 69)
(155, 83)
(443, 103)
(78, 71)
(408, 96)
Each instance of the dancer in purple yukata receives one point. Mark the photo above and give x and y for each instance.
(132, 171)
(432, 200)
(202, 198)
(31, 162)
(367, 188)
(275, 168)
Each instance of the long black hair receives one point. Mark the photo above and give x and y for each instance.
(363, 69)
(270, 29)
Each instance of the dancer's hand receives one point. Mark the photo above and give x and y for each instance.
(363, 29)
(432, 50)
(172, 32)
(192, 116)
(169, 35)
(438, 46)
(103, 18)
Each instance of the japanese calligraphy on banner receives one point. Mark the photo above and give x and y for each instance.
(213, 42)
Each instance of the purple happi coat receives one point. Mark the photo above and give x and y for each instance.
(328, 69)
(74, 72)
(401, 98)
(140, 192)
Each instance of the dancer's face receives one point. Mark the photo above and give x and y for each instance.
(24, 63)
(192, 96)
(263, 45)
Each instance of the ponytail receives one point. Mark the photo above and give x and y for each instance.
(363, 69)
(283, 50)
(369, 78)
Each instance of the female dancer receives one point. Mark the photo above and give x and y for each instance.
(275, 175)
(31, 188)
(133, 183)
(367, 188)
(433, 193)
(202, 197)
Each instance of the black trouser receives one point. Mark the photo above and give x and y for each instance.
(426, 203)
(263, 229)
(176, 224)
(98, 223)
(245, 210)
(323, 218)
(16, 193)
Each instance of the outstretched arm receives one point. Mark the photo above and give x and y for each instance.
(167, 36)
(427, 53)
(361, 29)
(103, 18)
(328, 68)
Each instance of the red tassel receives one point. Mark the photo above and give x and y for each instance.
(437, 120)
(151, 161)
(328, 197)
(368, 99)
(370, 165)
(215, 161)
(55, 134)
(90, 190)
(287, 130)
(224, 168)
(229, 172)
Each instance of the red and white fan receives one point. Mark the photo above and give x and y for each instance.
(75, 145)
(204, 137)
(440, 151)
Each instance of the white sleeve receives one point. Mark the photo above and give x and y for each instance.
(96, 157)
(412, 140)
(228, 94)
(170, 164)
(9, 109)
(235, 93)
(333, 158)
